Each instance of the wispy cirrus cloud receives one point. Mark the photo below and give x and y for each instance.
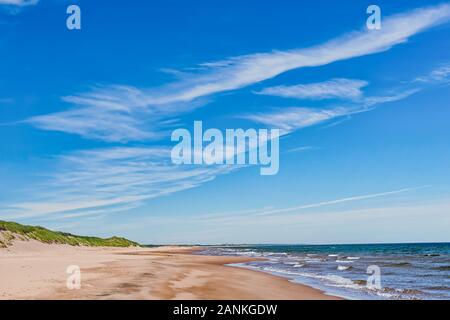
(291, 119)
(340, 201)
(440, 74)
(115, 179)
(123, 113)
(294, 118)
(93, 182)
(300, 149)
(264, 213)
(368, 102)
(217, 225)
(112, 114)
(20, 3)
(241, 71)
(331, 89)
(110, 179)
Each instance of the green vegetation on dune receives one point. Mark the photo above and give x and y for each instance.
(11, 230)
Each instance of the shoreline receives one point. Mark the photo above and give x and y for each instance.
(241, 265)
(32, 270)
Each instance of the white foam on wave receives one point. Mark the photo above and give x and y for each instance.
(343, 268)
(277, 254)
(344, 261)
(353, 258)
(327, 281)
(314, 260)
(333, 280)
(277, 270)
(247, 253)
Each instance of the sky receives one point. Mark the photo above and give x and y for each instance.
(86, 118)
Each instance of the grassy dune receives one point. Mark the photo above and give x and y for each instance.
(11, 230)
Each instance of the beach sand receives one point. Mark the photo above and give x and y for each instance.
(32, 270)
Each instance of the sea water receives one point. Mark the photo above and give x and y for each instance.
(407, 271)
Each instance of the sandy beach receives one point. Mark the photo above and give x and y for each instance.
(33, 270)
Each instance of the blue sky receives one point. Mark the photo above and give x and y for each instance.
(86, 117)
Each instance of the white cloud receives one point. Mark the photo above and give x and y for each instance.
(440, 74)
(294, 118)
(113, 114)
(102, 180)
(114, 179)
(241, 71)
(332, 89)
(19, 3)
(339, 201)
(369, 102)
(300, 149)
(332, 223)
(268, 213)
(123, 113)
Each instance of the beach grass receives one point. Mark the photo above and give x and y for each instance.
(11, 230)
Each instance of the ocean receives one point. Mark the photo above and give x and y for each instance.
(406, 271)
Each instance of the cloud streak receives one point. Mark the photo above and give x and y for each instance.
(291, 119)
(242, 71)
(123, 113)
(294, 118)
(339, 201)
(114, 179)
(104, 180)
(332, 89)
(112, 114)
(19, 3)
(441, 74)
